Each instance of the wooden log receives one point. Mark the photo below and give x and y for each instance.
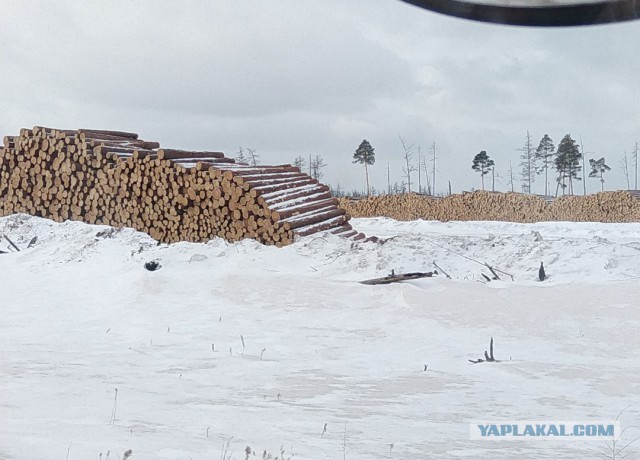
(296, 184)
(312, 217)
(303, 208)
(242, 170)
(261, 181)
(137, 144)
(242, 178)
(171, 154)
(100, 132)
(206, 161)
(52, 132)
(342, 229)
(122, 151)
(299, 199)
(291, 194)
(9, 142)
(326, 225)
(396, 278)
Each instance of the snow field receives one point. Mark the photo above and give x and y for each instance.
(82, 318)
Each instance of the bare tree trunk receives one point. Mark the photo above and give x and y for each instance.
(493, 179)
(584, 170)
(528, 163)
(635, 156)
(546, 178)
(529, 155)
(625, 168)
(419, 173)
(511, 177)
(366, 172)
(584, 178)
(433, 182)
(408, 156)
(426, 175)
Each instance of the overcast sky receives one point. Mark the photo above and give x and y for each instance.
(301, 77)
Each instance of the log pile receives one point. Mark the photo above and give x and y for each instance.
(115, 178)
(620, 206)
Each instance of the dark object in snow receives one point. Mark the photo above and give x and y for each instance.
(493, 272)
(3, 252)
(10, 242)
(32, 242)
(443, 272)
(541, 274)
(393, 278)
(108, 232)
(152, 265)
(488, 357)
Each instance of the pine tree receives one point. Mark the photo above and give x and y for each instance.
(482, 164)
(544, 153)
(598, 168)
(365, 154)
(567, 163)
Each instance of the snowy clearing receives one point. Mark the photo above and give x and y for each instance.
(236, 345)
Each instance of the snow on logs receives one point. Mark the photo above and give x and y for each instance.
(115, 178)
(619, 206)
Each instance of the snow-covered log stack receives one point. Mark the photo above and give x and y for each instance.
(620, 206)
(115, 178)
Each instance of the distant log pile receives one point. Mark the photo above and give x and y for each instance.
(115, 178)
(620, 206)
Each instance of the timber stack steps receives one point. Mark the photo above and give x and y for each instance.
(115, 178)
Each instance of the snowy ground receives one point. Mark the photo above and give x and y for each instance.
(80, 318)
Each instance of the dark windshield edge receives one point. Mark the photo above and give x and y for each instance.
(538, 16)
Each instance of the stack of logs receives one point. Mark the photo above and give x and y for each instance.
(619, 206)
(115, 178)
